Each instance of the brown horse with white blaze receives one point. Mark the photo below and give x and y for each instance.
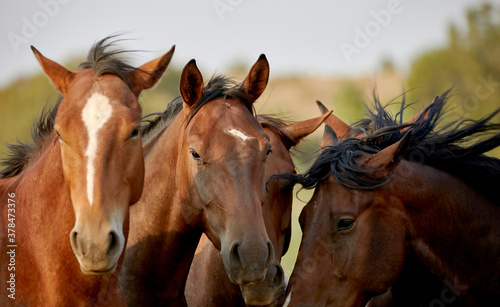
(76, 182)
(205, 159)
(398, 198)
(207, 283)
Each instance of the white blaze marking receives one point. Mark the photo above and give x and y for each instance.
(95, 114)
(288, 298)
(239, 134)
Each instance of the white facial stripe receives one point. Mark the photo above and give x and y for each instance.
(239, 134)
(95, 114)
(288, 299)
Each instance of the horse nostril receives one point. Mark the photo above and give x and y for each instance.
(113, 242)
(74, 237)
(76, 244)
(234, 256)
(279, 277)
(270, 252)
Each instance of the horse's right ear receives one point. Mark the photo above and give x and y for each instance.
(255, 83)
(341, 129)
(191, 86)
(59, 76)
(148, 74)
(329, 137)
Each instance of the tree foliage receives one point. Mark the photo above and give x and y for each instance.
(469, 62)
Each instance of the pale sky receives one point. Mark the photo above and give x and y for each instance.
(302, 37)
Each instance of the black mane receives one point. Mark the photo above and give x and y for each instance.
(104, 58)
(457, 148)
(102, 61)
(160, 119)
(41, 134)
(217, 87)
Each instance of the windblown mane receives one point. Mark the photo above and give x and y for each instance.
(102, 61)
(457, 148)
(217, 87)
(104, 58)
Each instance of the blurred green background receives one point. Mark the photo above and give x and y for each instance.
(469, 62)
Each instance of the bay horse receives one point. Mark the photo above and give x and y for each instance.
(205, 159)
(66, 197)
(415, 283)
(397, 201)
(208, 283)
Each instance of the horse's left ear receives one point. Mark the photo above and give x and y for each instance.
(59, 76)
(148, 74)
(329, 137)
(388, 159)
(299, 130)
(256, 81)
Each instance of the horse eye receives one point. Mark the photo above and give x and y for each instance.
(345, 224)
(196, 156)
(134, 134)
(59, 136)
(269, 151)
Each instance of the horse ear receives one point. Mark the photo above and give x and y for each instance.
(322, 108)
(59, 76)
(256, 81)
(388, 159)
(329, 137)
(340, 128)
(191, 86)
(148, 74)
(299, 130)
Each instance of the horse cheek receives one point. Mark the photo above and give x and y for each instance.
(387, 253)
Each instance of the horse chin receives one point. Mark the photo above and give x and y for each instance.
(255, 301)
(98, 271)
(270, 292)
(270, 301)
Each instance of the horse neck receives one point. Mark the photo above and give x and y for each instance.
(8, 186)
(277, 205)
(448, 218)
(277, 201)
(158, 227)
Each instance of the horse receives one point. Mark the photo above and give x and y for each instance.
(207, 283)
(428, 287)
(205, 160)
(66, 197)
(400, 208)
